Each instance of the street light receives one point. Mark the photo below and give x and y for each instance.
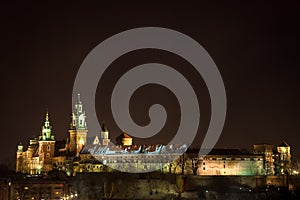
(9, 188)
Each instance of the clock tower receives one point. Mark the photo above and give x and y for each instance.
(78, 129)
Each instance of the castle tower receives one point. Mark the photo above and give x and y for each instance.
(104, 135)
(46, 146)
(78, 129)
(20, 158)
(267, 151)
(284, 151)
(124, 140)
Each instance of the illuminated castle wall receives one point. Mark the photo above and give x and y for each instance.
(231, 162)
(82, 154)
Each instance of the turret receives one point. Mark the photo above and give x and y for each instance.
(104, 135)
(46, 130)
(20, 158)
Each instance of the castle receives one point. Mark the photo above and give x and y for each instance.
(44, 153)
(79, 153)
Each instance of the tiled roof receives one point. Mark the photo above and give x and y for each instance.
(135, 149)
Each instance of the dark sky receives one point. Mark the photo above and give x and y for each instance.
(255, 46)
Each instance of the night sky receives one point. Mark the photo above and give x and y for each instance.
(255, 46)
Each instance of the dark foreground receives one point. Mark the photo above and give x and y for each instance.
(155, 185)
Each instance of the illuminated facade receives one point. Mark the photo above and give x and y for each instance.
(267, 151)
(78, 153)
(39, 154)
(44, 153)
(231, 162)
(283, 158)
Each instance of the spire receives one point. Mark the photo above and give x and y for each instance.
(78, 116)
(78, 98)
(47, 122)
(78, 105)
(46, 129)
(104, 128)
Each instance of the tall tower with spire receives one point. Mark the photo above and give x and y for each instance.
(78, 129)
(46, 145)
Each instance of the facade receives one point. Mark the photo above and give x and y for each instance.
(267, 151)
(231, 162)
(283, 160)
(134, 158)
(79, 153)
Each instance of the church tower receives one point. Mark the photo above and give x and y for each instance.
(104, 135)
(46, 146)
(78, 129)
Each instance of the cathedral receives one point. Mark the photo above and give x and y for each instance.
(44, 153)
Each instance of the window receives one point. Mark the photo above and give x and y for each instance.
(204, 163)
(80, 122)
(203, 168)
(48, 155)
(48, 148)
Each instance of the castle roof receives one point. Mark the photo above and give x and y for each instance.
(125, 135)
(283, 144)
(217, 151)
